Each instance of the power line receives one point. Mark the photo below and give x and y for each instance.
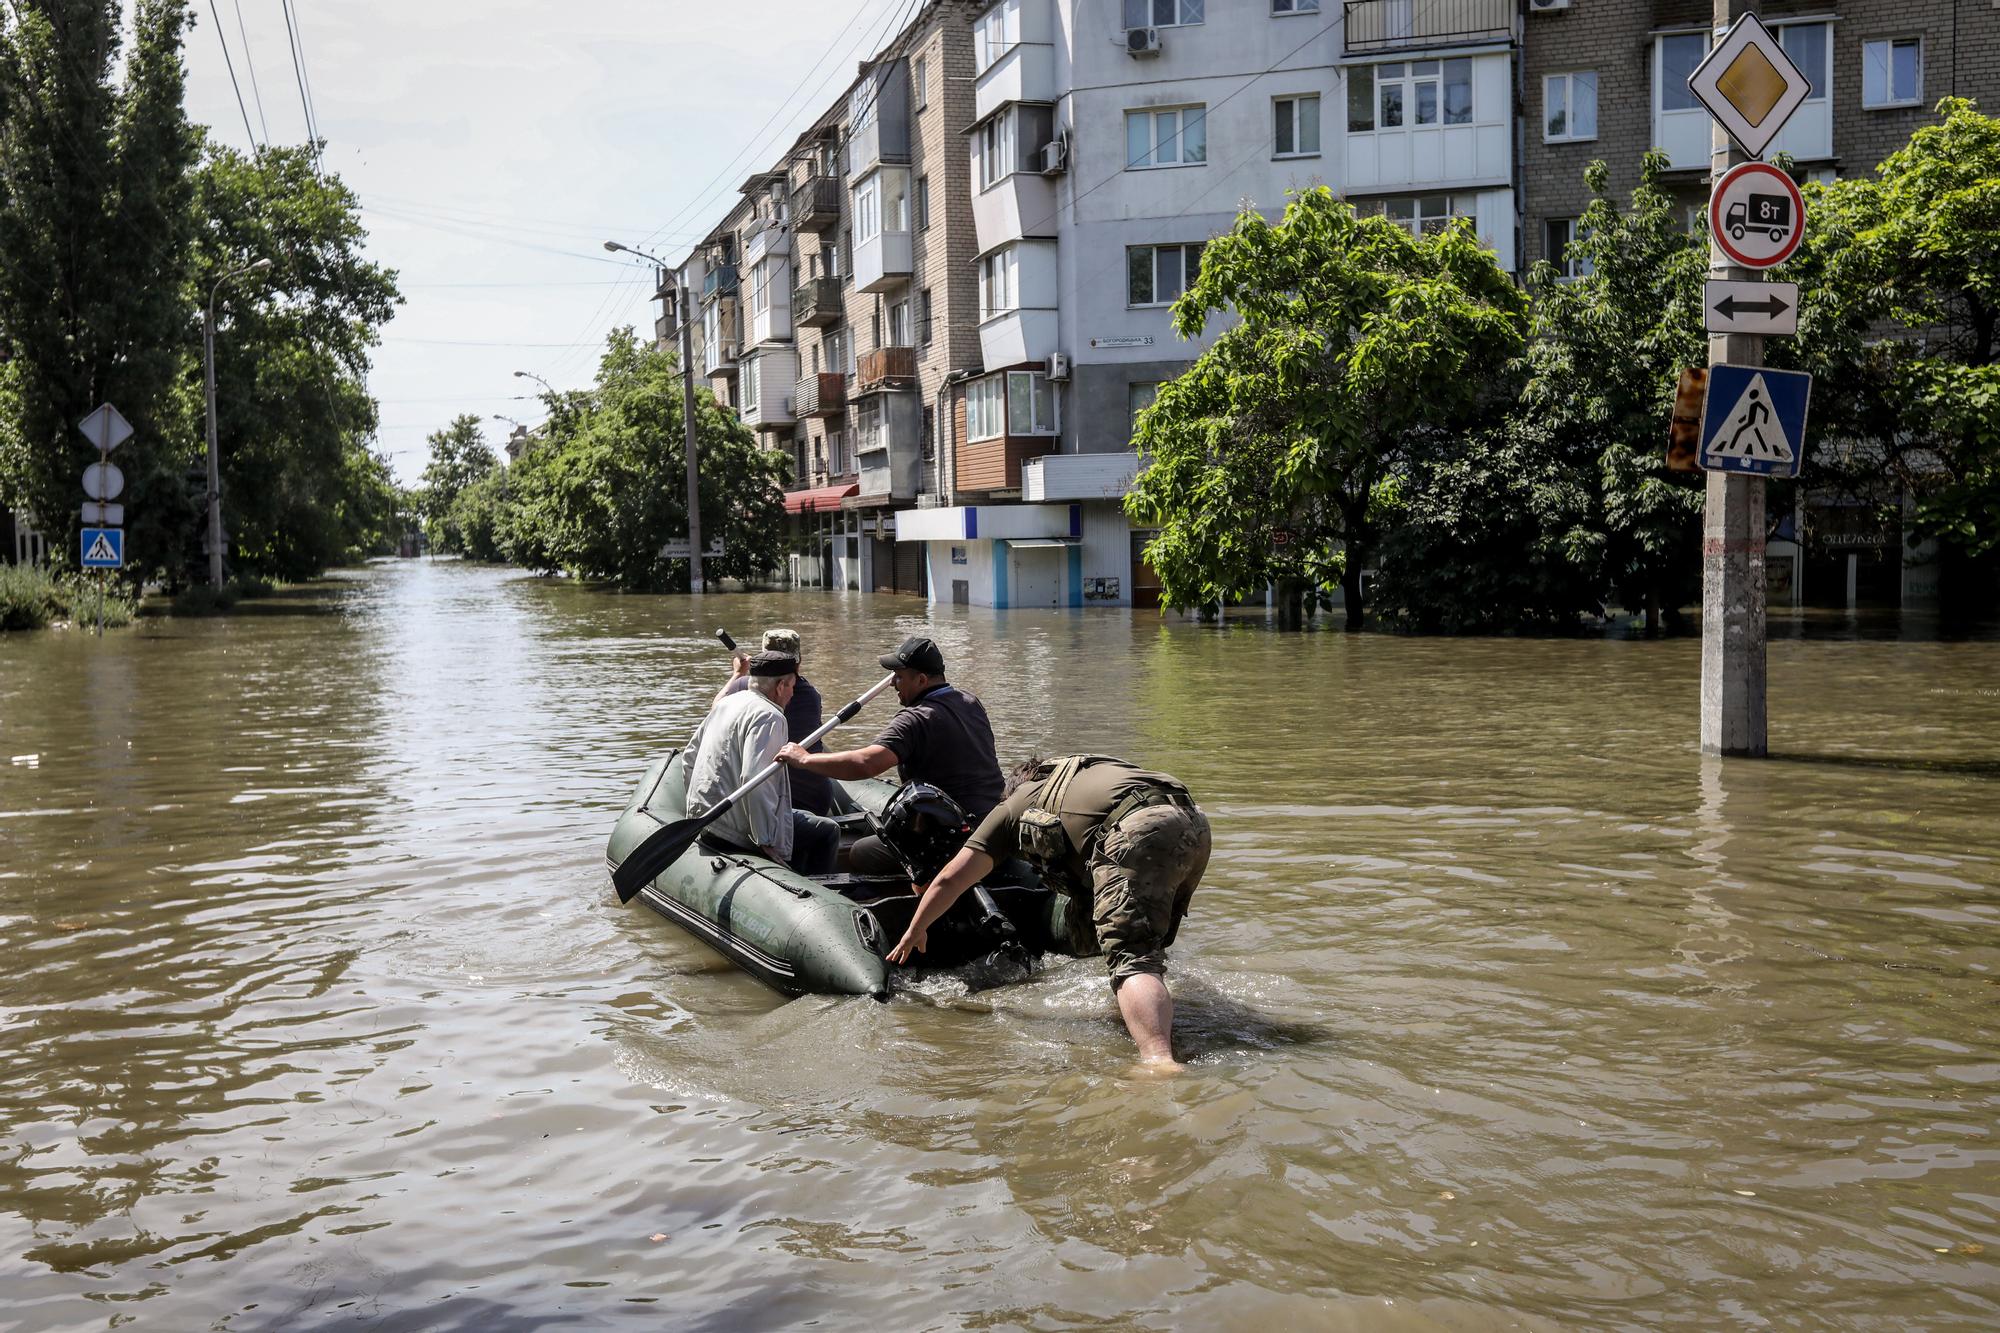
(299, 78)
(305, 69)
(250, 63)
(230, 65)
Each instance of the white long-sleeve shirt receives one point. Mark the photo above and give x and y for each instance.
(738, 737)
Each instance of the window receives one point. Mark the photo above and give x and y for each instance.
(997, 32)
(1569, 108)
(829, 259)
(986, 408)
(1424, 214)
(1892, 72)
(1297, 126)
(899, 323)
(1172, 137)
(868, 209)
(895, 201)
(923, 203)
(1679, 54)
(847, 248)
(1413, 92)
(924, 317)
(1158, 274)
(920, 69)
(861, 108)
(1807, 44)
(1295, 6)
(999, 276)
(751, 397)
(761, 279)
(1031, 403)
(868, 431)
(1558, 233)
(1010, 141)
(1138, 397)
(839, 354)
(1162, 13)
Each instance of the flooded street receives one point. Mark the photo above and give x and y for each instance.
(1504, 1007)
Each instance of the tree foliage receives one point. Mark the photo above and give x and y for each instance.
(602, 490)
(460, 459)
(1355, 341)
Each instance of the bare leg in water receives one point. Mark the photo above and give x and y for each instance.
(1148, 1010)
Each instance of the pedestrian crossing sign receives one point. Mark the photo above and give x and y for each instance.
(1755, 420)
(104, 548)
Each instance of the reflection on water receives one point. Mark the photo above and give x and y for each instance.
(1504, 1006)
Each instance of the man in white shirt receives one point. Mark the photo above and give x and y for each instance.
(740, 735)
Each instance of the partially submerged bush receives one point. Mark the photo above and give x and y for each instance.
(33, 598)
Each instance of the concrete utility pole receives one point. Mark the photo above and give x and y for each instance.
(1732, 527)
(660, 269)
(214, 454)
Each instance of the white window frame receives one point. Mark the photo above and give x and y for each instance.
(1152, 115)
(1568, 83)
(1041, 398)
(1293, 109)
(760, 287)
(920, 74)
(1188, 249)
(870, 425)
(1450, 206)
(997, 32)
(1570, 267)
(1661, 82)
(1187, 13)
(1822, 78)
(899, 324)
(868, 209)
(1888, 45)
(986, 408)
(752, 398)
(1287, 8)
(995, 150)
(999, 283)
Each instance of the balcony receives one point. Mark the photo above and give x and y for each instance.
(1025, 72)
(886, 369)
(1014, 336)
(763, 402)
(770, 238)
(889, 446)
(1374, 26)
(719, 358)
(816, 203)
(821, 394)
(1013, 207)
(1078, 476)
(721, 280)
(882, 261)
(816, 303)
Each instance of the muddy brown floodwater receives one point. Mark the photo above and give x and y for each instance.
(1504, 1007)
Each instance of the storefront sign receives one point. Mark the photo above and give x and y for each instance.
(1133, 340)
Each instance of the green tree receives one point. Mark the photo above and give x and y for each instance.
(478, 513)
(1900, 325)
(1607, 351)
(460, 457)
(1355, 341)
(603, 490)
(96, 224)
(293, 414)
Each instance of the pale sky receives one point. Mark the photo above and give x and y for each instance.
(495, 144)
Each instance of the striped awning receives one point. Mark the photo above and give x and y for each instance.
(822, 497)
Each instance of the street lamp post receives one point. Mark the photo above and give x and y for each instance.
(687, 413)
(214, 455)
(531, 375)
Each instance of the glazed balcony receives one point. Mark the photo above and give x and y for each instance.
(886, 369)
(816, 303)
(821, 394)
(720, 281)
(816, 203)
(1377, 26)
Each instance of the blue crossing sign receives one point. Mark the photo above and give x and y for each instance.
(1755, 420)
(104, 548)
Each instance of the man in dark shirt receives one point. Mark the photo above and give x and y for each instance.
(810, 791)
(941, 736)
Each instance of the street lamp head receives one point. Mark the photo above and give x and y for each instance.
(613, 246)
(260, 266)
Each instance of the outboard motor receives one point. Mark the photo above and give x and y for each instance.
(925, 828)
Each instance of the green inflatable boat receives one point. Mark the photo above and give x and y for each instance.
(824, 936)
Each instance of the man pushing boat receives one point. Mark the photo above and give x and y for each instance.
(1130, 843)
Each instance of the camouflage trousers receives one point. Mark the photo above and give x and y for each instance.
(1144, 870)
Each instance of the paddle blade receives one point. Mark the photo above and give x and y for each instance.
(661, 849)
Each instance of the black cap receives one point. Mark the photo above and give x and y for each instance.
(915, 654)
(773, 664)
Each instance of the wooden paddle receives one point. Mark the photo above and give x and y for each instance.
(667, 845)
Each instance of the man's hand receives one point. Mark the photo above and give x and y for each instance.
(913, 941)
(739, 665)
(792, 755)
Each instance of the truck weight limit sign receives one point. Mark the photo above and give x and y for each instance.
(1757, 215)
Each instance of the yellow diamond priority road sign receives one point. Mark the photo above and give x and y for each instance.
(1750, 84)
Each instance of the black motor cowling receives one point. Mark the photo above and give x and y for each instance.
(924, 828)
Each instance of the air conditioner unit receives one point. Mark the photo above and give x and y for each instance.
(1058, 366)
(1547, 6)
(1142, 41)
(1055, 156)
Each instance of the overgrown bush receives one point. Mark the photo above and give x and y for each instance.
(33, 598)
